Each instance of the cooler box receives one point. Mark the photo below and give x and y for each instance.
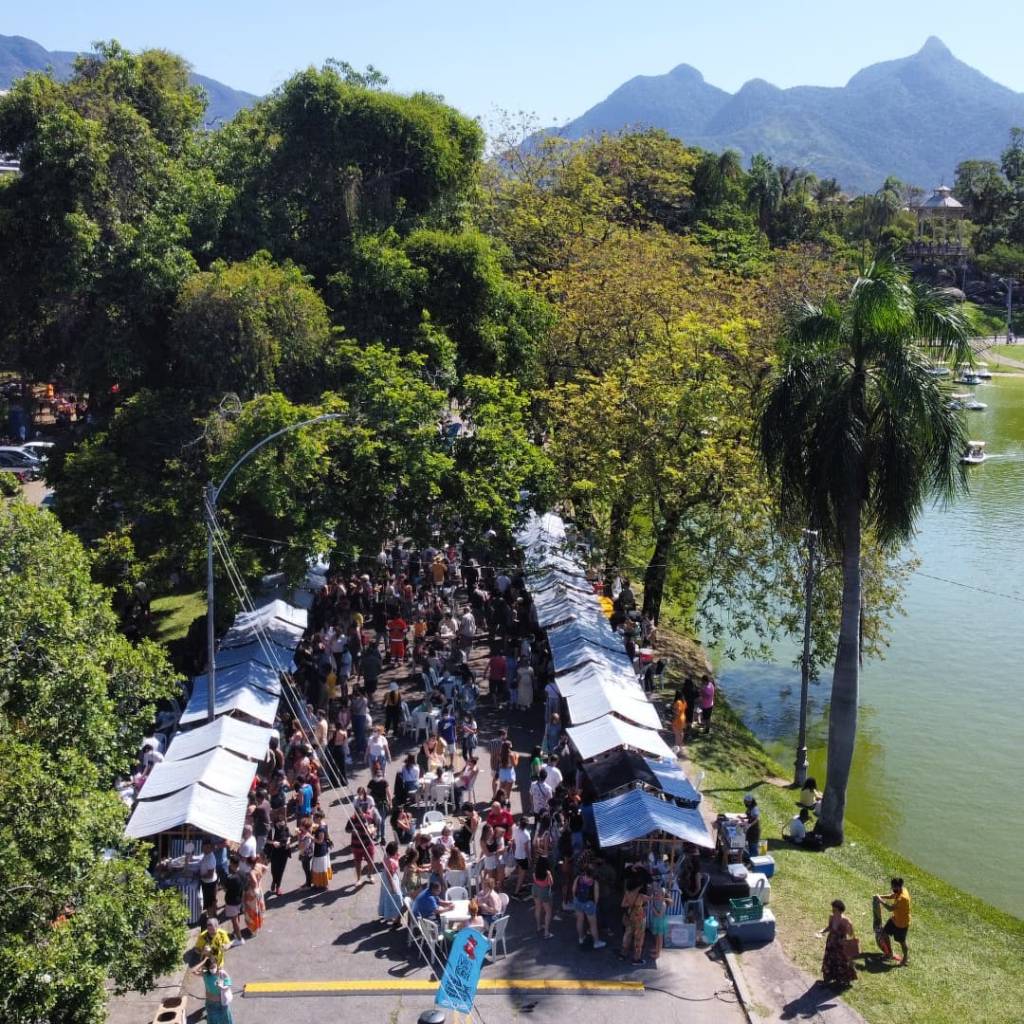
(737, 872)
(752, 932)
(760, 887)
(681, 934)
(763, 865)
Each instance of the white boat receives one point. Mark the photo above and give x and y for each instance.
(938, 371)
(981, 370)
(975, 454)
(974, 405)
(958, 400)
(968, 377)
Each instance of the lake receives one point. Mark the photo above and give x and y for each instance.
(938, 766)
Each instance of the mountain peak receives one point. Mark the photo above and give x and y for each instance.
(686, 73)
(934, 47)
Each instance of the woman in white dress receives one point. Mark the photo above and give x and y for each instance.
(525, 684)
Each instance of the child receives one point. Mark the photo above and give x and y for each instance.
(659, 917)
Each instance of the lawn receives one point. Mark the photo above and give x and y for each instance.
(966, 956)
(173, 614)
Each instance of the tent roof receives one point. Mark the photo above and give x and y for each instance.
(670, 778)
(280, 621)
(557, 606)
(597, 633)
(602, 698)
(202, 808)
(540, 561)
(274, 655)
(251, 673)
(636, 815)
(216, 769)
(610, 733)
(566, 659)
(230, 733)
(593, 674)
(231, 695)
(546, 529)
(560, 578)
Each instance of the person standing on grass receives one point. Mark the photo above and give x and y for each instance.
(897, 903)
(679, 719)
(691, 695)
(837, 965)
(707, 702)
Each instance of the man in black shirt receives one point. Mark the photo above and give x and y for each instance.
(234, 889)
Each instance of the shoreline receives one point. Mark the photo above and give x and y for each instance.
(942, 985)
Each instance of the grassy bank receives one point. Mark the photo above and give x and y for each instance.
(966, 955)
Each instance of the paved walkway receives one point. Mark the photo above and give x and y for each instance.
(336, 936)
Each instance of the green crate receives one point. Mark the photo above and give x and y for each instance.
(748, 908)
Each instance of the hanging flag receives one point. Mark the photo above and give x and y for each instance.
(465, 961)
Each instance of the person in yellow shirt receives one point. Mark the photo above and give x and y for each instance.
(897, 903)
(212, 941)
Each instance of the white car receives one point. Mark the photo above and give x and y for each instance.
(21, 463)
(38, 449)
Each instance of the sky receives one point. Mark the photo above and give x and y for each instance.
(552, 59)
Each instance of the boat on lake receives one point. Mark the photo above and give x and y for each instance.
(974, 405)
(981, 370)
(975, 454)
(958, 400)
(968, 377)
(938, 371)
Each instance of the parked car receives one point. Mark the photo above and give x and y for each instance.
(38, 449)
(15, 458)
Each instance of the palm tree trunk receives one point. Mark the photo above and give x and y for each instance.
(621, 511)
(657, 567)
(842, 718)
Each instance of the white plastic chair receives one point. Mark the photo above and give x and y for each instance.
(698, 781)
(430, 932)
(423, 723)
(475, 867)
(496, 933)
(457, 879)
(442, 793)
(503, 899)
(456, 892)
(432, 817)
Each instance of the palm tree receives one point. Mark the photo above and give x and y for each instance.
(855, 432)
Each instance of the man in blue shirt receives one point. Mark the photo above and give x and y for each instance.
(428, 903)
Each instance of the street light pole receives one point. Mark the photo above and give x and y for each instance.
(212, 495)
(800, 774)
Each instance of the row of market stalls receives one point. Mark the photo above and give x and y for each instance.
(643, 795)
(203, 782)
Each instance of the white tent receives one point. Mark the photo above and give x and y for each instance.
(591, 674)
(216, 769)
(590, 702)
(565, 659)
(202, 808)
(560, 578)
(273, 655)
(558, 605)
(249, 673)
(231, 696)
(282, 622)
(610, 733)
(548, 529)
(230, 733)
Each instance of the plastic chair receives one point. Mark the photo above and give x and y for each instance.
(432, 817)
(496, 933)
(698, 781)
(456, 892)
(458, 880)
(442, 793)
(431, 934)
(423, 723)
(474, 870)
(504, 899)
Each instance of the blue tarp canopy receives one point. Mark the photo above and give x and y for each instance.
(595, 632)
(672, 779)
(237, 695)
(252, 673)
(570, 657)
(272, 655)
(637, 815)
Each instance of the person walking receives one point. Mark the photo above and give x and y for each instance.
(897, 903)
(837, 963)
(389, 902)
(393, 709)
(320, 867)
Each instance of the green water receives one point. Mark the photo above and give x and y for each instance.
(940, 756)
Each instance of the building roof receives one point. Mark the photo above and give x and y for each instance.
(941, 199)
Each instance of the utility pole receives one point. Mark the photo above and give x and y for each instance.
(800, 773)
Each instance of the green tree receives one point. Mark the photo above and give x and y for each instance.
(75, 701)
(855, 432)
(103, 223)
(248, 328)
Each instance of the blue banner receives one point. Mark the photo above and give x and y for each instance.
(465, 961)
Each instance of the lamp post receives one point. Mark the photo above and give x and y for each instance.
(800, 773)
(211, 496)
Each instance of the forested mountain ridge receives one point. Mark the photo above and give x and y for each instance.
(19, 55)
(915, 118)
